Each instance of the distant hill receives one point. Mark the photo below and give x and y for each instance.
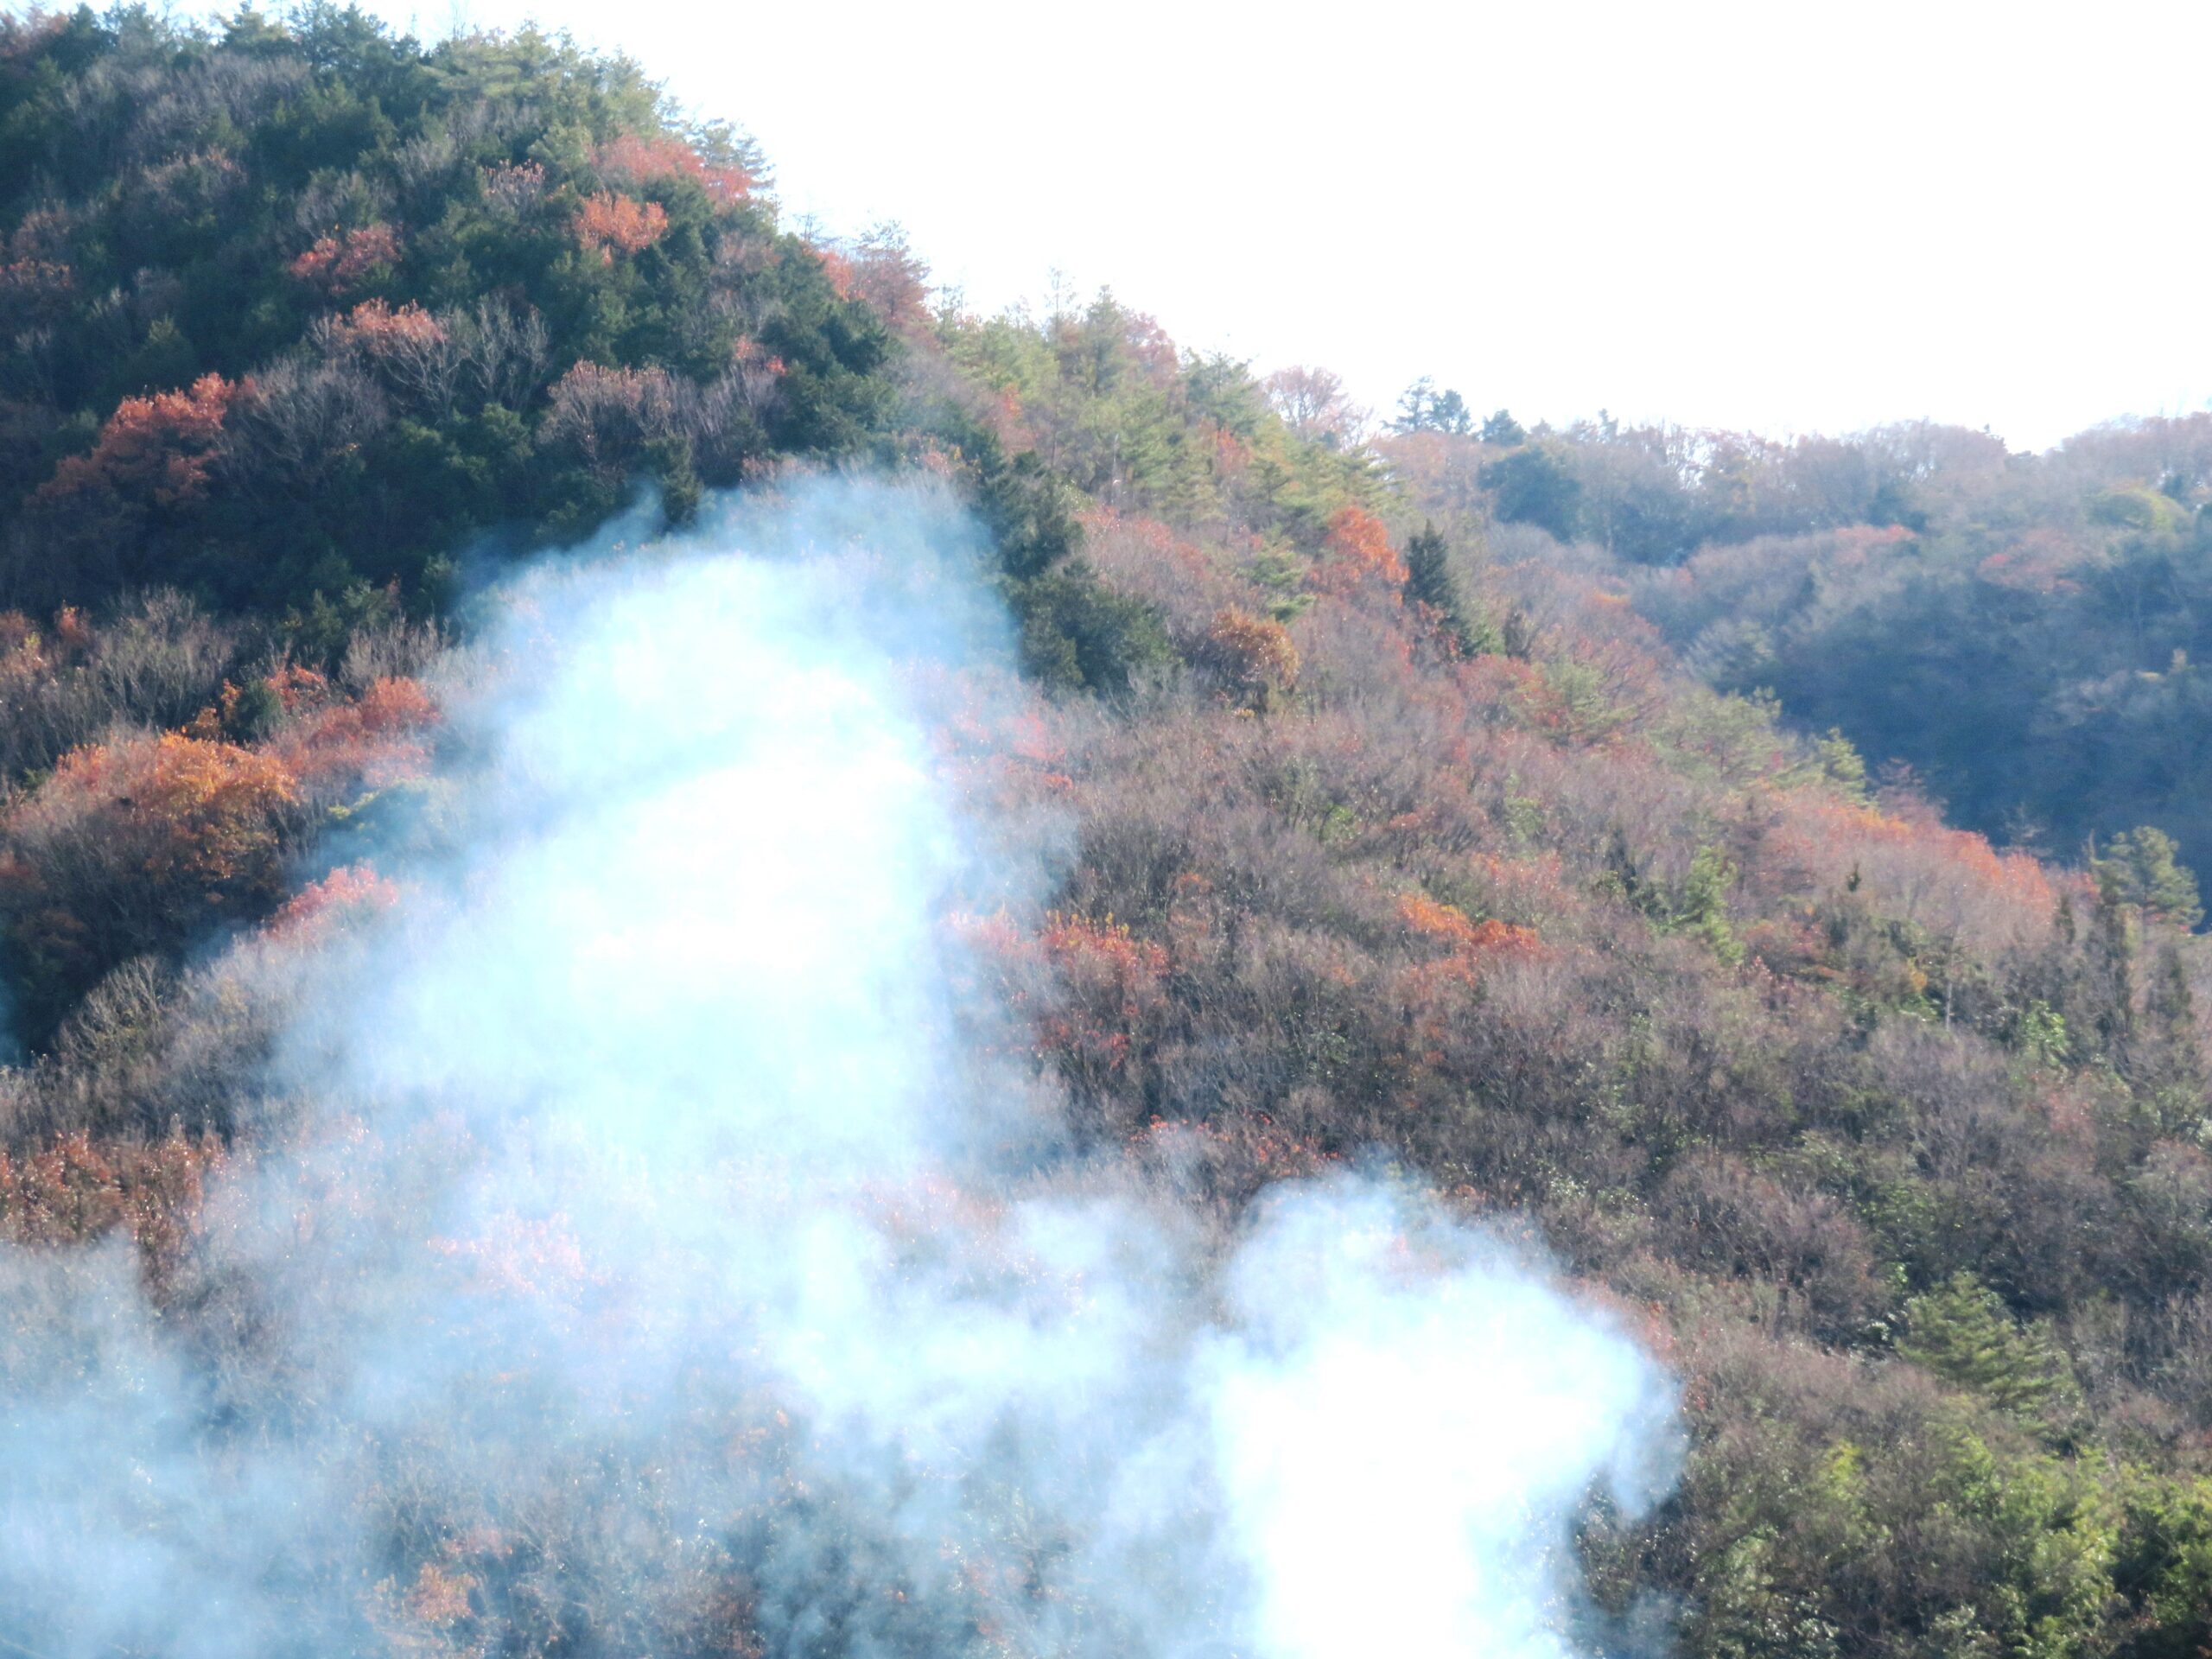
(2023, 631)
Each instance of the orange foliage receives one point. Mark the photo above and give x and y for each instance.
(201, 814)
(375, 741)
(70, 629)
(155, 449)
(635, 160)
(340, 262)
(136, 845)
(1105, 953)
(1450, 927)
(35, 291)
(1358, 551)
(1252, 655)
(373, 326)
(1088, 986)
(609, 223)
(299, 688)
(838, 269)
(75, 1190)
(322, 906)
(439, 1598)
(1950, 879)
(26, 655)
(1434, 992)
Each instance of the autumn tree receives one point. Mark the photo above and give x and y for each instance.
(610, 223)
(1356, 551)
(137, 846)
(1251, 656)
(1312, 403)
(153, 451)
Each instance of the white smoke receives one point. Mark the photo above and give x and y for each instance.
(652, 1238)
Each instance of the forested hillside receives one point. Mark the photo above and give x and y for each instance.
(1424, 795)
(2020, 631)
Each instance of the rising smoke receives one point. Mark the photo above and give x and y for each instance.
(654, 1234)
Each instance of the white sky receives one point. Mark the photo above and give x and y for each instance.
(1794, 215)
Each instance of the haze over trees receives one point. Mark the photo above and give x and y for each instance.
(1763, 867)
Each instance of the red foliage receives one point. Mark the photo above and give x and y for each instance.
(839, 271)
(322, 907)
(2038, 563)
(340, 262)
(156, 449)
(882, 271)
(372, 325)
(1232, 455)
(635, 160)
(373, 741)
(609, 223)
(77, 1190)
(1087, 988)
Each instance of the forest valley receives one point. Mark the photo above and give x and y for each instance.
(1757, 870)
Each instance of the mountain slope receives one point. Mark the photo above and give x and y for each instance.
(1393, 826)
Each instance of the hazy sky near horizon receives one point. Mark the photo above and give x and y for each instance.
(1785, 216)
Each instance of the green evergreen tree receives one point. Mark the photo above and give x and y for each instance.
(1503, 431)
(1536, 486)
(2140, 868)
(1962, 1331)
(1430, 582)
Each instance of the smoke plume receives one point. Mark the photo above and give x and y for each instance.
(656, 1232)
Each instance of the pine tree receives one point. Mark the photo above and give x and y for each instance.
(1503, 431)
(1431, 584)
(2140, 869)
(1962, 1331)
